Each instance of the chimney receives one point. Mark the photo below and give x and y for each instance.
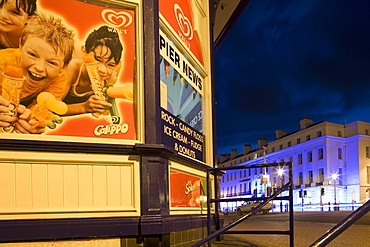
(262, 142)
(247, 148)
(234, 153)
(224, 157)
(305, 122)
(280, 133)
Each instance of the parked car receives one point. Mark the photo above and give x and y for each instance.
(248, 206)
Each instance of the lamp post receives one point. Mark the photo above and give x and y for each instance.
(334, 177)
(280, 173)
(265, 176)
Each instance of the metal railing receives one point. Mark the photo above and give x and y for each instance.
(342, 226)
(265, 201)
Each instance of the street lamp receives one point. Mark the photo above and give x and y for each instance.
(265, 177)
(280, 173)
(334, 177)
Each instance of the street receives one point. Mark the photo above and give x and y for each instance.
(308, 227)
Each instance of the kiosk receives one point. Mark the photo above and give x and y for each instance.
(135, 174)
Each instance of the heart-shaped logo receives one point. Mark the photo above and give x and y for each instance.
(183, 21)
(116, 19)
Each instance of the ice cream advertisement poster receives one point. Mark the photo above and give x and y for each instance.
(97, 89)
(181, 17)
(186, 190)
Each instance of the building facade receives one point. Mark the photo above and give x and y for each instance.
(331, 165)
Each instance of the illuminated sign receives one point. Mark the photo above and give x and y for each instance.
(108, 33)
(181, 137)
(182, 79)
(179, 15)
(186, 190)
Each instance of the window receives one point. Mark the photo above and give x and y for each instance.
(367, 152)
(245, 173)
(321, 175)
(366, 132)
(340, 176)
(320, 154)
(310, 177)
(289, 144)
(308, 137)
(368, 174)
(339, 133)
(298, 140)
(300, 178)
(240, 189)
(319, 133)
(235, 176)
(339, 153)
(299, 159)
(281, 147)
(240, 174)
(309, 156)
(273, 149)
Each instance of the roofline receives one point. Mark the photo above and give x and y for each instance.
(230, 23)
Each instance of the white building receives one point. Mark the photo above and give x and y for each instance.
(331, 164)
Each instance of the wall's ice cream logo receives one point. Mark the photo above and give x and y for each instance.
(187, 32)
(184, 22)
(116, 19)
(180, 16)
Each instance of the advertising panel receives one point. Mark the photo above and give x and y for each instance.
(182, 78)
(90, 98)
(180, 16)
(186, 190)
(181, 102)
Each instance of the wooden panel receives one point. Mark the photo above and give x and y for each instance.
(23, 186)
(32, 188)
(127, 191)
(7, 185)
(85, 186)
(55, 186)
(39, 186)
(70, 188)
(100, 186)
(114, 186)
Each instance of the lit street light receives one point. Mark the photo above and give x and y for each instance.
(334, 177)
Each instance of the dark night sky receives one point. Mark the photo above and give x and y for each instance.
(284, 60)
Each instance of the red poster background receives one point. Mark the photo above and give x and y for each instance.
(185, 190)
(84, 18)
(182, 21)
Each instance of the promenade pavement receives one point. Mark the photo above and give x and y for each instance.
(305, 233)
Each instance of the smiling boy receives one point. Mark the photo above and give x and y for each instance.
(46, 48)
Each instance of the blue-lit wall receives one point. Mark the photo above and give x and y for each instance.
(343, 156)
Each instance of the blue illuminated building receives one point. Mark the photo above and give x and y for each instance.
(331, 165)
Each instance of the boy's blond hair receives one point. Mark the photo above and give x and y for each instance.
(51, 29)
